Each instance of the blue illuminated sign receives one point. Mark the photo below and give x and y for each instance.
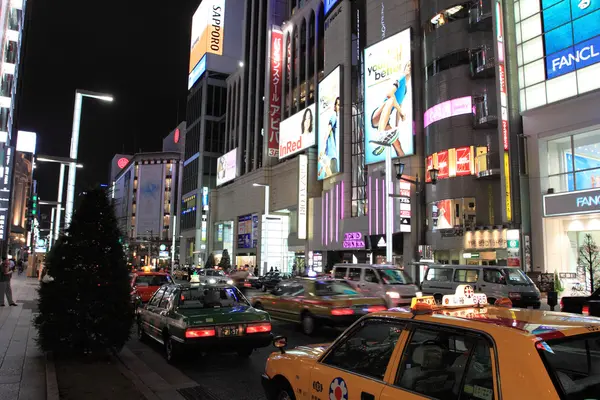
(328, 5)
(571, 35)
(197, 72)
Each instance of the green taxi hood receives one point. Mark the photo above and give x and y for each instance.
(222, 315)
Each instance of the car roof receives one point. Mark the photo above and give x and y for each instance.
(531, 323)
(464, 266)
(192, 285)
(151, 273)
(366, 266)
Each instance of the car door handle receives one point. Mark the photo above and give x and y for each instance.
(366, 396)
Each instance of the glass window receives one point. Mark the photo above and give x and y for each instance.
(152, 280)
(439, 274)
(155, 300)
(371, 276)
(332, 288)
(493, 276)
(466, 275)
(354, 274)
(211, 297)
(368, 349)
(393, 276)
(164, 302)
(288, 289)
(574, 364)
(435, 362)
(340, 273)
(517, 277)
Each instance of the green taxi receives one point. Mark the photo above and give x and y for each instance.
(203, 317)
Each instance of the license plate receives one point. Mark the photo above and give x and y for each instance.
(230, 331)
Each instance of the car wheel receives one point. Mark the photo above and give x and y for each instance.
(308, 324)
(245, 353)
(170, 349)
(140, 332)
(258, 306)
(285, 393)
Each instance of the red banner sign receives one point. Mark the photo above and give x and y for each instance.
(429, 166)
(275, 92)
(463, 161)
(443, 165)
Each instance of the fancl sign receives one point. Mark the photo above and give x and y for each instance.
(576, 57)
(579, 202)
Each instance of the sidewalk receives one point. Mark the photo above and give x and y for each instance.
(22, 365)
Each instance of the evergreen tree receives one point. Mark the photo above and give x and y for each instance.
(210, 261)
(225, 262)
(589, 259)
(87, 307)
(558, 287)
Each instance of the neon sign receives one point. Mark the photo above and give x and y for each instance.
(122, 162)
(354, 240)
(447, 109)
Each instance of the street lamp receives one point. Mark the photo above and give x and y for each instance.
(79, 95)
(265, 228)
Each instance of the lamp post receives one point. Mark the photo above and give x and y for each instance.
(265, 228)
(79, 95)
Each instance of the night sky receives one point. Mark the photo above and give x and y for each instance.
(135, 50)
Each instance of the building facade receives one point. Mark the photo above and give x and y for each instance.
(21, 193)
(557, 63)
(146, 194)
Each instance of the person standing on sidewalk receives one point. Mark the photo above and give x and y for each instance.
(5, 288)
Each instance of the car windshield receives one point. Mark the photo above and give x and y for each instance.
(394, 277)
(574, 362)
(211, 297)
(515, 276)
(214, 272)
(333, 288)
(152, 280)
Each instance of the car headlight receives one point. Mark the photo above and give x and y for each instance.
(212, 281)
(393, 295)
(230, 281)
(419, 294)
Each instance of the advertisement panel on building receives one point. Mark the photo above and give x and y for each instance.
(275, 91)
(149, 205)
(329, 132)
(464, 161)
(244, 237)
(388, 98)
(571, 203)
(448, 109)
(207, 30)
(5, 189)
(227, 167)
(297, 132)
(328, 5)
(26, 142)
(302, 195)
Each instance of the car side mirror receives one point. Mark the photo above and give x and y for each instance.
(280, 342)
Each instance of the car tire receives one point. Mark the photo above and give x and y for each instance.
(258, 306)
(285, 392)
(245, 353)
(141, 335)
(170, 349)
(309, 325)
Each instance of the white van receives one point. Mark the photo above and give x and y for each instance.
(493, 280)
(389, 282)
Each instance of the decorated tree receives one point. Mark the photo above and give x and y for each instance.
(210, 261)
(589, 259)
(86, 308)
(558, 287)
(225, 262)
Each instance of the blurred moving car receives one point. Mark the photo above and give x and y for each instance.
(386, 281)
(144, 284)
(271, 279)
(211, 276)
(317, 302)
(203, 317)
(587, 305)
(465, 349)
(181, 273)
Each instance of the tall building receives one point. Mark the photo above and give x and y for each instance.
(147, 193)
(556, 79)
(21, 193)
(215, 52)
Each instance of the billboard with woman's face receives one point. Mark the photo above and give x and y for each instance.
(329, 125)
(388, 98)
(297, 132)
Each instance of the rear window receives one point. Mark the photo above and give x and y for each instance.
(333, 288)
(439, 274)
(340, 273)
(152, 280)
(211, 297)
(574, 365)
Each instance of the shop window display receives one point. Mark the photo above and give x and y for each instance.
(452, 213)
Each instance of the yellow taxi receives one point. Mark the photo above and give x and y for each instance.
(462, 349)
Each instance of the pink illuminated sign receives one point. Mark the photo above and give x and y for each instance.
(354, 240)
(447, 109)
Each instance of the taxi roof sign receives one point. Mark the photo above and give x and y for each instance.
(464, 296)
(429, 300)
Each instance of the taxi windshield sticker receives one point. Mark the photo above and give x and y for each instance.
(338, 390)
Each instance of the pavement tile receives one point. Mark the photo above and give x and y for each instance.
(9, 391)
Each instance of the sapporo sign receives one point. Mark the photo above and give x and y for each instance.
(569, 203)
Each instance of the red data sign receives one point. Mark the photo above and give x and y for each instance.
(463, 161)
(443, 166)
(275, 92)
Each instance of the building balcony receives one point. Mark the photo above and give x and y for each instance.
(480, 16)
(487, 166)
(483, 63)
(485, 112)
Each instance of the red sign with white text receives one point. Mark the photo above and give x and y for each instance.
(463, 161)
(443, 165)
(505, 134)
(275, 92)
(428, 167)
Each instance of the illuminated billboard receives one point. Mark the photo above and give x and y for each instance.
(388, 98)
(227, 167)
(329, 132)
(207, 31)
(26, 142)
(275, 92)
(297, 132)
(448, 109)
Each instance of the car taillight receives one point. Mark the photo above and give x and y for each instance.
(259, 328)
(342, 311)
(376, 308)
(247, 284)
(198, 333)
(514, 295)
(585, 310)
(561, 304)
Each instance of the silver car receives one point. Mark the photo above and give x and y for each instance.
(389, 282)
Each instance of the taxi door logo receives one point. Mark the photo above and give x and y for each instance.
(338, 390)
